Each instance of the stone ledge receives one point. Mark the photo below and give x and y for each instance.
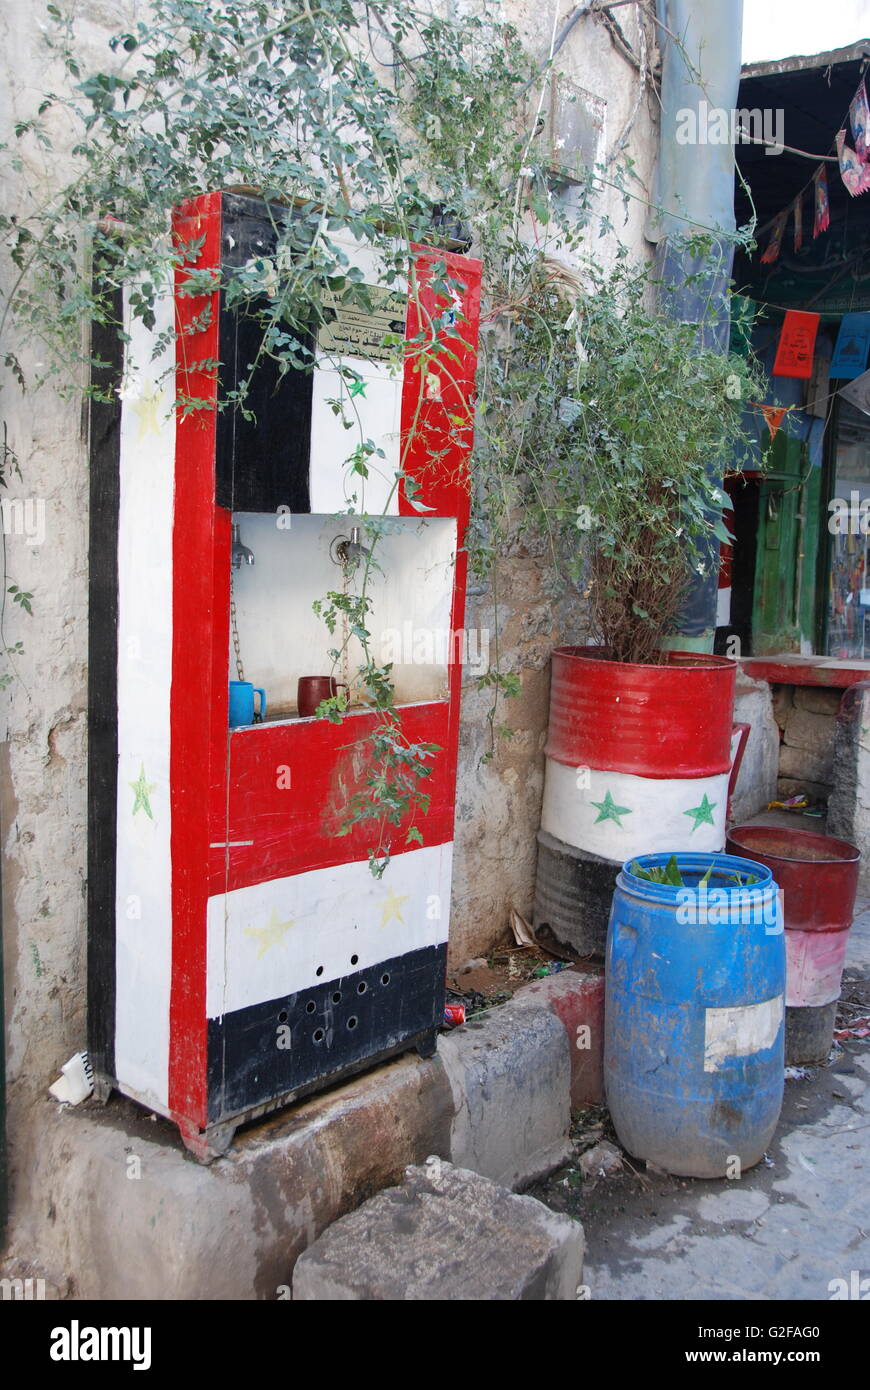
(113, 1204)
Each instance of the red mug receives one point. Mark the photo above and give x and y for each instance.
(312, 689)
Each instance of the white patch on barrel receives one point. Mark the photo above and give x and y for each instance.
(740, 1031)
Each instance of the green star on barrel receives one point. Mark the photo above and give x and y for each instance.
(703, 814)
(608, 810)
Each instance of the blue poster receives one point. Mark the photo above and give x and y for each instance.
(853, 345)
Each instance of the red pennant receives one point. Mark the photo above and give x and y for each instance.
(771, 253)
(822, 219)
(773, 416)
(794, 355)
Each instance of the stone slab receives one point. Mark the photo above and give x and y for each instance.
(446, 1234)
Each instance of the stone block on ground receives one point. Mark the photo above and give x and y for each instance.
(446, 1234)
(510, 1073)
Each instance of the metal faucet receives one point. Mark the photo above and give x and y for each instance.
(241, 555)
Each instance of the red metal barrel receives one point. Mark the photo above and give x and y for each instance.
(672, 720)
(818, 876)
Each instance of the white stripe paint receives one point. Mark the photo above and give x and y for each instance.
(723, 607)
(375, 415)
(144, 941)
(333, 487)
(577, 800)
(740, 1031)
(270, 939)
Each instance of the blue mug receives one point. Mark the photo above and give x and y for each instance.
(242, 703)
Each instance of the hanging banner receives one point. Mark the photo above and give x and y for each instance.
(852, 347)
(821, 203)
(798, 207)
(854, 173)
(794, 356)
(859, 115)
(857, 393)
(771, 253)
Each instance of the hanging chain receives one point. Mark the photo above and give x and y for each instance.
(345, 635)
(240, 670)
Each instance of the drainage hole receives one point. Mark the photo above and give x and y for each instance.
(283, 1016)
(385, 979)
(319, 970)
(310, 1006)
(361, 987)
(318, 1035)
(336, 998)
(352, 1022)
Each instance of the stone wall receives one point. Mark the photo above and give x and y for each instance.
(807, 718)
(849, 806)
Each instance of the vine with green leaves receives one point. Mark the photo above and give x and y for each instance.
(400, 126)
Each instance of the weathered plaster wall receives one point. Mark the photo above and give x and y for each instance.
(499, 803)
(43, 753)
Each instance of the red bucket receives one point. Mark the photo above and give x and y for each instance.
(818, 876)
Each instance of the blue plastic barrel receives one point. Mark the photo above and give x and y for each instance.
(694, 1014)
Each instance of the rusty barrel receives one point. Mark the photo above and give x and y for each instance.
(818, 876)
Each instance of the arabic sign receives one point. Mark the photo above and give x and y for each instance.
(357, 332)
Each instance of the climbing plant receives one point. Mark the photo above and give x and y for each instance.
(399, 125)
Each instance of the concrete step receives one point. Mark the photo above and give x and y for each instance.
(444, 1234)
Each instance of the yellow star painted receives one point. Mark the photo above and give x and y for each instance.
(146, 409)
(390, 907)
(270, 935)
(141, 792)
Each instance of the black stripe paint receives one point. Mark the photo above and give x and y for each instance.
(333, 1028)
(105, 453)
(262, 451)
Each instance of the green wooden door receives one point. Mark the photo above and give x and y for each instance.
(784, 601)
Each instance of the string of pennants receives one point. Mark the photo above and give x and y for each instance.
(854, 170)
(794, 358)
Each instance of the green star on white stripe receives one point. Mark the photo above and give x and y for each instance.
(703, 814)
(608, 810)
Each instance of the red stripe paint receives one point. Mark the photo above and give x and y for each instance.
(437, 433)
(672, 720)
(198, 631)
(438, 391)
(293, 828)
